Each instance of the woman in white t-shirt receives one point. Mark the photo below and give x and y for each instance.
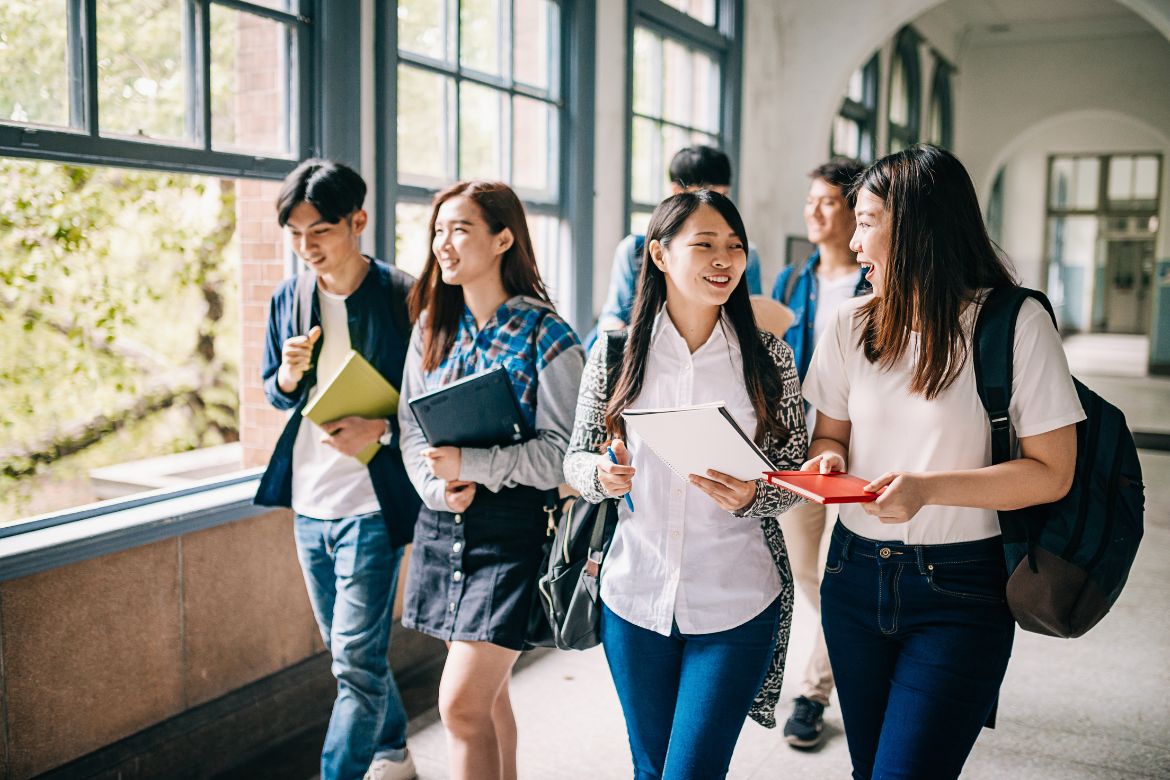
(913, 602)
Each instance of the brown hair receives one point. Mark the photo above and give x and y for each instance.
(444, 302)
(939, 257)
(763, 382)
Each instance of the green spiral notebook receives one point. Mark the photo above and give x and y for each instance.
(356, 390)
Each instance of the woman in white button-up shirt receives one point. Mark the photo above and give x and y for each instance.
(696, 589)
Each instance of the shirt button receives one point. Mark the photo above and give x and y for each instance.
(677, 492)
(458, 519)
(674, 534)
(457, 547)
(457, 576)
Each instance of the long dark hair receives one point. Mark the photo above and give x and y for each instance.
(759, 372)
(444, 302)
(940, 256)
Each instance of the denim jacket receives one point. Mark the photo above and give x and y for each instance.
(804, 305)
(374, 334)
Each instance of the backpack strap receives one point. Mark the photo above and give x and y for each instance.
(306, 285)
(992, 355)
(790, 283)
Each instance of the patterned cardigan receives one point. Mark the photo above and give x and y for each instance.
(589, 436)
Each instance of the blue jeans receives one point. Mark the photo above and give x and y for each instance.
(685, 696)
(351, 571)
(919, 638)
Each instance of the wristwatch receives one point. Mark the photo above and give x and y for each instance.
(387, 438)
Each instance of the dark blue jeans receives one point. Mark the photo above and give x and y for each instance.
(351, 571)
(919, 638)
(685, 696)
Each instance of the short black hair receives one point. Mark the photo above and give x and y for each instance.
(841, 172)
(333, 188)
(696, 166)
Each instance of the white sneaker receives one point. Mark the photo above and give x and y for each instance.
(385, 769)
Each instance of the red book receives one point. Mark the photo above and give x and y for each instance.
(834, 488)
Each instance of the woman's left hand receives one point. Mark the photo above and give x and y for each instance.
(728, 492)
(444, 462)
(902, 495)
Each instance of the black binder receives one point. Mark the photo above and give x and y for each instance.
(477, 411)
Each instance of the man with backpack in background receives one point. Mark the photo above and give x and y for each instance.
(813, 290)
(351, 520)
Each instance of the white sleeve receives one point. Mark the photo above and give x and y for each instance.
(826, 385)
(1043, 395)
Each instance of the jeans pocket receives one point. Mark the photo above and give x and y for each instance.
(835, 561)
(983, 580)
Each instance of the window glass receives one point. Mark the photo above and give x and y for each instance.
(703, 10)
(249, 82)
(1133, 181)
(424, 116)
(533, 47)
(846, 137)
(482, 112)
(646, 183)
(533, 139)
(856, 90)
(481, 35)
(1074, 183)
(1145, 178)
(142, 84)
(93, 259)
(899, 92)
(422, 28)
(411, 236)
(647, 73)
(34, 61)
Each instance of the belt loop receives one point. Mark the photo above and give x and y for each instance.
(919, 559)
(845, 544)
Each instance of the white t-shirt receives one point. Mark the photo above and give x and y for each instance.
(680, 556)
(894, 430)
(327, 485)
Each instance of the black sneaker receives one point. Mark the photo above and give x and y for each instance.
(806, 727)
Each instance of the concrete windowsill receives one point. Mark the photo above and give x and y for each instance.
(104, 533)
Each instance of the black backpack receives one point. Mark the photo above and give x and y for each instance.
(1068, 560)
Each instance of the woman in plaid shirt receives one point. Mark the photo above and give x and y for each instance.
(480, 303)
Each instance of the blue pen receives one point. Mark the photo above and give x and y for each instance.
(613, 459)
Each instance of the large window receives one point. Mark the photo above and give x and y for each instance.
(480, 95)
(141, 144)
(1102, 231)
(905, 92)
(684, 60)
(855, 126)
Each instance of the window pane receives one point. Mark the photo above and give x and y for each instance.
(1087, 174)
(639, 221)
(481, 35)
(422, 28)
(424, 125)
(645, 154)
(899, 93)
(846, 137)
(647, 73)
(856, 91)
(34, 61)
(1121, 178)
(690, 83)
(142, 89)
(703, 10)
(534, 42)
(934, 132)
(533, 141)
(482, 112)
(1145, 178)
(411, 236)
(279, 5)
(545, 232)
(100, 257)
(249, 82)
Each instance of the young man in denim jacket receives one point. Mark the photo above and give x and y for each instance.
(813, 291)
(691, 168)
(351, 521)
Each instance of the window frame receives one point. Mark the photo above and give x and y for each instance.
(85, 146)
(720, 41)
(571, 95)
(942, 100)
(865, 113)
(83, 143)
(906, 50)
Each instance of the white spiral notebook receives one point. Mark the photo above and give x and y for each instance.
(692, 439)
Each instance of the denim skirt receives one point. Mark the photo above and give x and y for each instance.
(473, 574)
